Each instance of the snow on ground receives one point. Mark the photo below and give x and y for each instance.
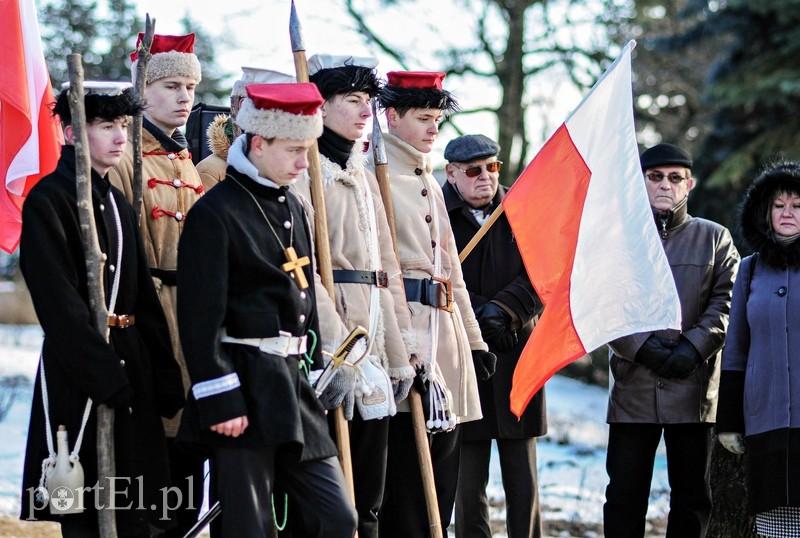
(572, 477)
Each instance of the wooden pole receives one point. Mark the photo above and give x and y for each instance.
(95, 260)
(414, 398)
(322, 243)
(136, 135)
(480, 233)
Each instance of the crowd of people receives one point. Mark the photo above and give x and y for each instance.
(225, 347)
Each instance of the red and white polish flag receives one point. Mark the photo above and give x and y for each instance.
(585, 230)
(30, 138)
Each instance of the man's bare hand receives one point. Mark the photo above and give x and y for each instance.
(231, 428)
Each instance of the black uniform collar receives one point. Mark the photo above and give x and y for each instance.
(335, 147)
(100, 185)
(175, 144)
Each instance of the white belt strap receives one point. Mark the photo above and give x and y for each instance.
(282, 345)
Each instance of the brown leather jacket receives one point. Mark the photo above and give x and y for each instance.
(704, 262)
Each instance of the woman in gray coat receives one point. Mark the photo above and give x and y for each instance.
(759, 403)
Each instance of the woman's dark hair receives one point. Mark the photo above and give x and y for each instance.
(346, 79)
(104, 107)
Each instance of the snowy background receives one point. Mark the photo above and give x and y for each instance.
(572, 477)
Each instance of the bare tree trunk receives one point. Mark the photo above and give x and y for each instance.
(136, 135)
(730, 517)
(95, 260)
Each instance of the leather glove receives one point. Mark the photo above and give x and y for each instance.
(400, 388)
(492, 320)
(485, 363)
(340, 391)
(732, 442)
(653, 353)
(683, 360)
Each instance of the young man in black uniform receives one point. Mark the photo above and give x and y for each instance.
(134, 372)
(244, 261)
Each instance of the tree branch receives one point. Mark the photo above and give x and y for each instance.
(370, 35)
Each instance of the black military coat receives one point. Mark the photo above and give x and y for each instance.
(230, 277)
(494, 271)
(78, 362)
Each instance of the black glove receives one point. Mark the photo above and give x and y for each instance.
(683, 360)
(495, 324)
(485, 363)
(654, 353)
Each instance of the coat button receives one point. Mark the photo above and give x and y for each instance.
(418, 171)
(281, 199)
(428, 218)
(433, 244)
(781, 291)
(177, 183)
(102, 207)
(302, 318)
(302, 295)
(112, 268)
(661, 384)
(287, 224)
(424, 192)
(122, 363)
(179, 216)
(171, 156)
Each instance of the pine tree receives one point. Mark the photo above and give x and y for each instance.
(212, 89)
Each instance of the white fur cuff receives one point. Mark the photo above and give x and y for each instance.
(276, 123)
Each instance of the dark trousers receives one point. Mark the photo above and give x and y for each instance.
(85, 525)
(520, 483)
(245, 479)
(186, 474)
(629, 462)
(404, 513)
(368, 448)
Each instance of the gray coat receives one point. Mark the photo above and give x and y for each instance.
(703, 261)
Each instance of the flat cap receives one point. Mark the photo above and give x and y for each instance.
(665, 155)
(469, 148)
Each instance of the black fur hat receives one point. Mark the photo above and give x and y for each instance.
(754, 217)
(101, 101)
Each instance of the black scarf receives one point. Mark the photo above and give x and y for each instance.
(335, 147)
(175, 143)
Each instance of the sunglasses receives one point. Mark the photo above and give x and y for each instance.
(475, 171)
(658, 177)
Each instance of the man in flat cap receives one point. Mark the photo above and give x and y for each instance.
(665, 382)
(507, 308)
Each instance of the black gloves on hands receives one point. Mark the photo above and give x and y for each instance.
(485, 363)
(495, 324)
(669, 360)
(683, 360)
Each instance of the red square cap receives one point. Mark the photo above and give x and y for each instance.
(166, 43)
(415, 79)
(298, 98)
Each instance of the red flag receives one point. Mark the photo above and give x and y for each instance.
(585, 231)
(30, 138)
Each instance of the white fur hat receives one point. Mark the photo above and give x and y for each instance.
(318, 62)
(256, 75)
(281, 111)
(172, 55)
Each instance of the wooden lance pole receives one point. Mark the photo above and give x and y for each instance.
(414, 399)
(143, 59)
(480, 233)
(323, 247)
(95, 261)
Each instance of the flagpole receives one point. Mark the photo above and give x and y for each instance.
(322, 242)
(143, 57)
(414, 398)
(95, 260)
(480, 233)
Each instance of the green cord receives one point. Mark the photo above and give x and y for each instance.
(285, 512)
(307, 362)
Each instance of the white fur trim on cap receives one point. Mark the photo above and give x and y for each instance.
(255, 75)
(102, 87)
(319, 62)
(171, 64)
(276, 123)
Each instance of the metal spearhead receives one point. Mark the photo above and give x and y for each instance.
(295, 31)
(378, 148)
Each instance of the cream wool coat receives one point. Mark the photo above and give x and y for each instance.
(417, 200)
(349, 230)
(160, 234)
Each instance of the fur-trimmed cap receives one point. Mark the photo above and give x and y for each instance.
(282, 111)
(416, 89)
(338, 74)
(103, 99)
(172, 56)
(755, 214)
(257, 75)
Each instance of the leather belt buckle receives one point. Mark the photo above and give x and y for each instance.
(381, 279)
(445, 289)
(121, 321)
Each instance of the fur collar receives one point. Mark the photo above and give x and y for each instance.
(333, 172)
(218, 140)
(754, 222)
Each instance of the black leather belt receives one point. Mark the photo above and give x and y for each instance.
(432, 292)
(168, 278)
(370, 278)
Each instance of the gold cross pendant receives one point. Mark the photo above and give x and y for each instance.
(294, 266)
